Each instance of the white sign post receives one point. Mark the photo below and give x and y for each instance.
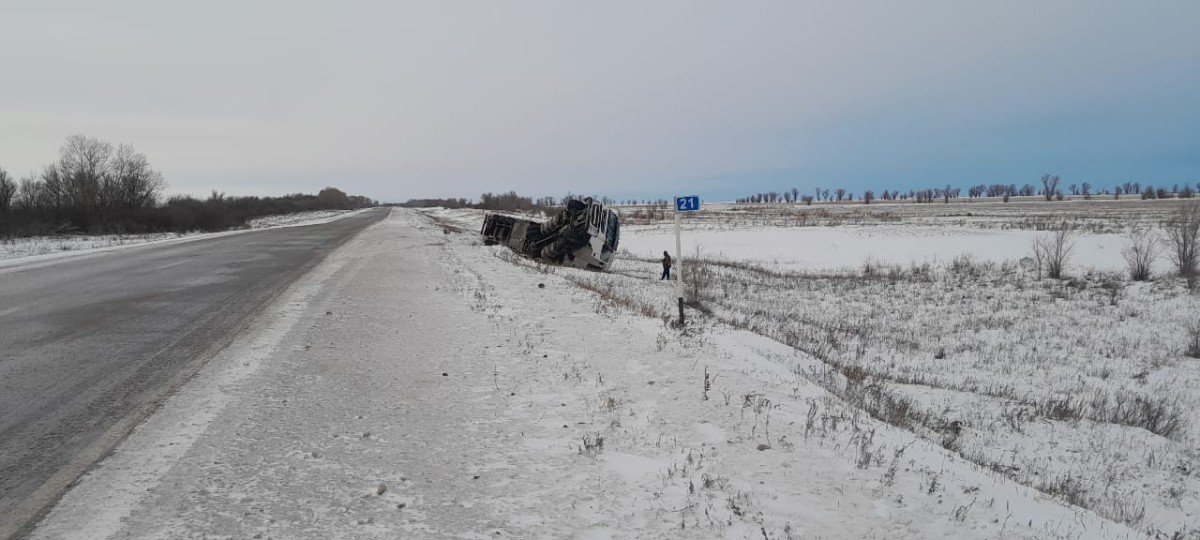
(690, 203)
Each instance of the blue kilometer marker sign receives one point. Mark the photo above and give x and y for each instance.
(687, 203)
(690, 203)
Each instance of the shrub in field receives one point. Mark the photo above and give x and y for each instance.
(964, 264)
(697, 278)
(1192, 348)
(1140, 254)
(1051, 253)
(1183, 240)
(593, 444)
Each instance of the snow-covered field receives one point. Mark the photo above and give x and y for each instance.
(420, 384)
(14, 248)
(829, 248)
(1079, 388)
(825, 237)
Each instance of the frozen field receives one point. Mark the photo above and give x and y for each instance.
(852, 246)
(931, 322)
(833, 236)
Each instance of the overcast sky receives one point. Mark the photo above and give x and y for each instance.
(643, 98)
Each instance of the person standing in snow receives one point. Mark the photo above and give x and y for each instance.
(666, 260)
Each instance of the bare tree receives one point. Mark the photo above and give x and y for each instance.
(131, 182)
(31, 195)
(868, 196)
(1183, 234)
(8, 190)
(1050, 186)
(82, 169)
(841, 193)
(1139, 254)
(1051, 253)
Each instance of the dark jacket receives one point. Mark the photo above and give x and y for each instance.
(666, 261)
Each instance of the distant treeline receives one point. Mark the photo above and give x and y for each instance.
(510, 201)
(1050, 190)
(96, 188)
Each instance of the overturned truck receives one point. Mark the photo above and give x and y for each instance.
(582, 235)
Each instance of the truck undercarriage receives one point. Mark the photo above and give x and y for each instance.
(583, 235)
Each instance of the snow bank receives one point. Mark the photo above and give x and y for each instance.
(15, 251)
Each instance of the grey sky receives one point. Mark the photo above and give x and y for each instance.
(415, 99)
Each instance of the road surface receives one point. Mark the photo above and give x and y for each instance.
(90, 345)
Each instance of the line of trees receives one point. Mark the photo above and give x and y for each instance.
(1050, 190)
(95, 187)
(509, 201)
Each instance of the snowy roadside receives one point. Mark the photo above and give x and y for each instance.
(301, 219)
(419, 384)
(22, 251)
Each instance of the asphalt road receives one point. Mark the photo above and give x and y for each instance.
(90, 345)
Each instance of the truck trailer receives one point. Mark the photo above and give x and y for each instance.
(584, 234)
